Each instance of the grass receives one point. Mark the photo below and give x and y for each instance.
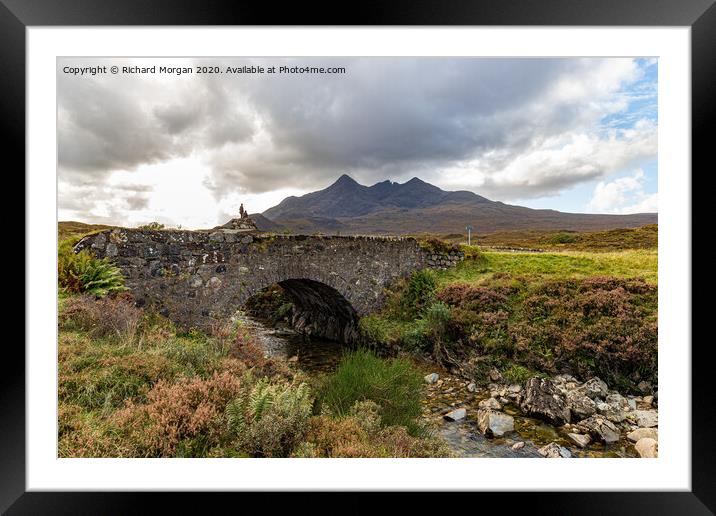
(393, 384)
(556, 265)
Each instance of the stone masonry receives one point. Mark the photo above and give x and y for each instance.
(198, 277)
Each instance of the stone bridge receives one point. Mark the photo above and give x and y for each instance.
(198, 277)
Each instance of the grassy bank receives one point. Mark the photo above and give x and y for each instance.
(531, 313)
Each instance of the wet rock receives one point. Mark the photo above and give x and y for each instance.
(581, 440)
(456, 415)
(646, 418)
(600, 428)
(594, 388)
(580, 406)
(647, 448)
(431, 378)
(518, 445)
(640, 433)
(494, 423)
(554, 451)
(543, 401)
(490, 404)
(614, 408)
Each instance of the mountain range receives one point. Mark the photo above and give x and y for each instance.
(419, 207)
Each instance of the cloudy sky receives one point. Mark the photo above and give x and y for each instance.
(576, 135)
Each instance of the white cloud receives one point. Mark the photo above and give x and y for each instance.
(623, 195)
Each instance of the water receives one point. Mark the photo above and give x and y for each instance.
(310, 354)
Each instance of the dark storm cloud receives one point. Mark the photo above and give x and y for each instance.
(384, 118)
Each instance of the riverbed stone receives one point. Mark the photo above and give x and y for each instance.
(600, 428)
(580, 405)
(518, 445)
(554, 451)
(493, 423)
(647, 448)
(542, 400)
(594, 388)
(431, 378)
(456, 415)
(581, 440)
(640, 433)
(471, 387)
(490, 404)
(646, 418)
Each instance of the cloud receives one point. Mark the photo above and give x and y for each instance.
(623, 195)
(506, 128)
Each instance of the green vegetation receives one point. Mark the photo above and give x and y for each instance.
(153, 226)
(393, 384)
(82, 272)
(533, 314)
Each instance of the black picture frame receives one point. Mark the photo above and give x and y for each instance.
(17, 15)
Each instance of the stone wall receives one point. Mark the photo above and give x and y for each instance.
(197, 277)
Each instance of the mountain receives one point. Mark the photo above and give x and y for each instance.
(419, 207)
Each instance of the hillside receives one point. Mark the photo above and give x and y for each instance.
(418, 207)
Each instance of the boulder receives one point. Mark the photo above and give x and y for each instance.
(456, 415)
(600, 428)
(648, 400)
(490, 404)
(640, 433)
(580, 406)
(581, 440)
(647, 448)
(554, 451)
(431, 378)
(646, 418)
(493, 423)
(543, 401)
(614, 411)
(594, 388)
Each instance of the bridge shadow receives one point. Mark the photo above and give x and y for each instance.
(309, 307)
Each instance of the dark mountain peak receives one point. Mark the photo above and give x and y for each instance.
(345, 179)
(416, 181)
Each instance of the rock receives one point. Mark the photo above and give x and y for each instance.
(293, 359)
(494, 423)
(640, 433)
(213, 282)
(431, 378)
(580, 440)
(594, 388)
(456, 415)
(632, 404)
(614, 412)
(514, 389)
(646, 418)
(647, 448)
(580, 406)
(518, 445)
(471, 387)
(644, 386)
(543, 401)
(600, 427)
(554, 451)
(648, 400)
(495, 375)
(490, 404)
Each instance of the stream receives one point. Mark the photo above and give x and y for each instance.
(315, 355)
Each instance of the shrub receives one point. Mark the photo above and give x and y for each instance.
(82, 272)
(475, 298)
(114, 317)
(153, 226)
(183, 418)
(270, 419)
(435, 245)
(391, 383)
(419, 293)
(564, 238)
